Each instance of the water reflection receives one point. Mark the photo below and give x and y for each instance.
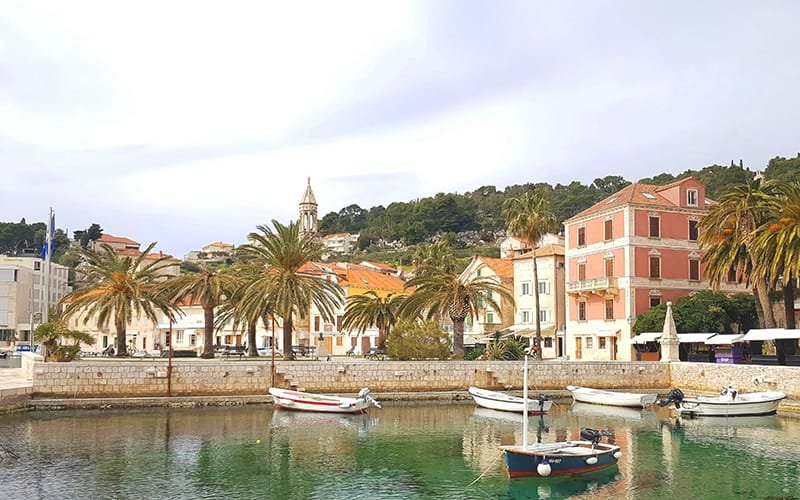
(401, 451)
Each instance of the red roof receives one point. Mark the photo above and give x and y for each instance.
(365, 278)
(108, 238)
(501, 267)
(638, 193)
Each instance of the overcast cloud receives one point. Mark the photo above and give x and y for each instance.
(191, 122)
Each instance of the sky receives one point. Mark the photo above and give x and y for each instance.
(192, 122)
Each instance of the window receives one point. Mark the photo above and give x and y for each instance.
(526, 316)
(655, 227)
(691, 197)
(37, 266)
(732, 275)
(655, 267)
(316, 323)
(694, 269)
(582, 311)
(589, 343)
(544, 288)
(548, 342)
(609, 308)
(609, 268)
(526, 288)
(655, 300)
(489, 317)
(543, 315)
(581, 272)
(601, 343)
(581, 236)
(339, 340)
(692, 230)
(609, 229)
(8, 275)
(193, 340)
(179, 336)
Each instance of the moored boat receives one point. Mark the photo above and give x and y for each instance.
(558, 459)
(611, 398)
(730, 403)
(304, 401)
(506, 402)
(562, 458)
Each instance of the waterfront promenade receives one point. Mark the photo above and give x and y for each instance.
(195, 382)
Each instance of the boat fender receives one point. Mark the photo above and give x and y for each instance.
(591, 460)
(544, 469)
(617, 455)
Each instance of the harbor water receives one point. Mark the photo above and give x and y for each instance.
(403, 451)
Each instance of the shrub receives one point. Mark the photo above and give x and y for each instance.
(474, 353)
(418, 340)
(509, 349)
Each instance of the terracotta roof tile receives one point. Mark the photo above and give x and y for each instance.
(501, 267)
(364, 278)
(108, 238)
(543, 251)
(639, 193)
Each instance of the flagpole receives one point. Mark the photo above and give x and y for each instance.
(49, 252)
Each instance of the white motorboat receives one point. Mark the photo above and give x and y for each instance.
(730, 403)
(611, 398)
(506, 402)
(304, 401)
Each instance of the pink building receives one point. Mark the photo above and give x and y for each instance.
(632, 251)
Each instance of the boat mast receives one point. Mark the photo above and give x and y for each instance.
(525, 405)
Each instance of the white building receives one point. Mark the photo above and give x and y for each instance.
(22, 294)
(342, 243)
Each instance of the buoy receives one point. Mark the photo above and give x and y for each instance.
(258, 441)
(544, 469)
(617, 454)
(591, 460)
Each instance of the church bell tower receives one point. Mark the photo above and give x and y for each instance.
(308, 212)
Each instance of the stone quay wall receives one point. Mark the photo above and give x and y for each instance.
(147, 378)
(709, 377)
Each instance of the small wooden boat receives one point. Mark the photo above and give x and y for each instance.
(304, 401)
(506, 402)
(728, 404)
(562, 458)
(611, 398)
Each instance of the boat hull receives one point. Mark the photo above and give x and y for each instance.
(504, 402)
(302, 401)
(610, 398)
(751, 404)
(525, 463)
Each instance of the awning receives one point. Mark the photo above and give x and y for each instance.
(694, 338)
(527, 330)
(646, 337)
(724, 339)
(771, 334)
(600, 332)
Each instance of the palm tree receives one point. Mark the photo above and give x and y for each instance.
(370, 309)
(439, 292)
(206, 287)
(777, 244)
(282, 285)
(725, 233)
(529, 218)
(435, 256)
(233, 310)
(115, 287)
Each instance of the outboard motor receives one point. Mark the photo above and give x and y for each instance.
(593, 435)
(729, 392)
(540, 400)
(364, 394)
(674, 396)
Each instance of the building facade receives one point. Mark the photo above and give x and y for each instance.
(552, 308)
(488, 319)
(630, 252)
(22, 294)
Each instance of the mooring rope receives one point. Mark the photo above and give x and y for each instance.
(485, 471)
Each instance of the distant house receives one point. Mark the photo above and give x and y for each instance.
(213, 252)
(511, 246)
(342, 243)
(116, 242)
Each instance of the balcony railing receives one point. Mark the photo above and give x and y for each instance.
(596, 285)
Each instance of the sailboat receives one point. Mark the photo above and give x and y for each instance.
(558, 459)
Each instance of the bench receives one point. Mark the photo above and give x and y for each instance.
(376, 354)
(305, 351)
(234, 350)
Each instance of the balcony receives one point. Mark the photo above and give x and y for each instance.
(597, 286)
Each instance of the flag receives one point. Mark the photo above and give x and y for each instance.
(47, 246)
(43, 255)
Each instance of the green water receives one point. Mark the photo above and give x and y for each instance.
(400, 451)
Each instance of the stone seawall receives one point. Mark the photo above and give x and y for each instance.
(139, 378)
(708, 377)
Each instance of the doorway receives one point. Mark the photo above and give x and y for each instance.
(578, 347)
